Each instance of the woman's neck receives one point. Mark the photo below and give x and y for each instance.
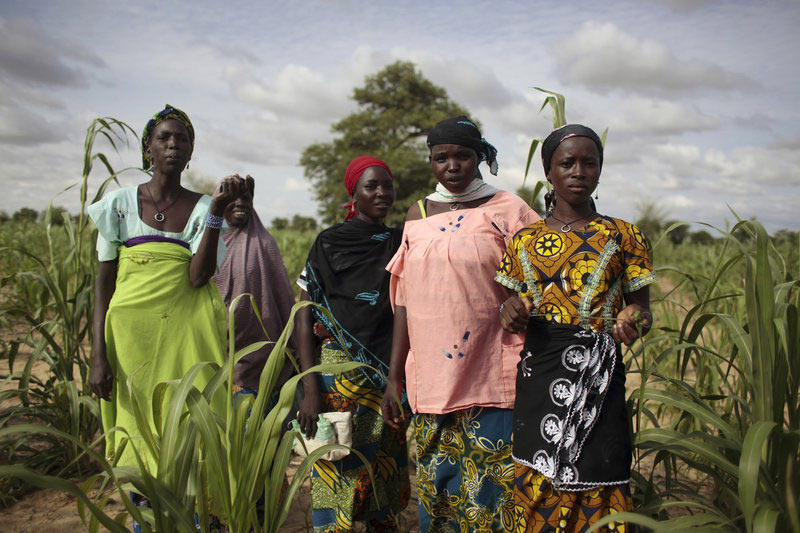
(165, 183)
(369, 220)
(565, 211)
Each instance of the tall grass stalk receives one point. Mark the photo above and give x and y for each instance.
(717, 425)
(54, 297)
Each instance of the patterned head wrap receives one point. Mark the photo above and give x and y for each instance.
(559, 135)
(354, 170)
(166, 113)
(462, 131)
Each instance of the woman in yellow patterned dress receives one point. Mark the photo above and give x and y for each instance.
(580, 281)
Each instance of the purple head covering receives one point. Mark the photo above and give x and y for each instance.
(253, 265)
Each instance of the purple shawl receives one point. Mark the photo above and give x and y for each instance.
(253, 265)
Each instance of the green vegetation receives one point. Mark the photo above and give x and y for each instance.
(715, 411)
(396, 109)
(48, 283)
(294, 245)
(208, 463)
(714, 390)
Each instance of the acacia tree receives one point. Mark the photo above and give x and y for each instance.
(396, 108)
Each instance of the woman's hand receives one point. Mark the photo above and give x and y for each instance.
(515, 312)
(629, 321)
(309, 411)
(392, 413)
(101, 378)
(321, 331)
(226, 193)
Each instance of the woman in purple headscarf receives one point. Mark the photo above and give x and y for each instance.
(254, 266)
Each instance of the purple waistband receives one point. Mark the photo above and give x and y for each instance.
(155, 238)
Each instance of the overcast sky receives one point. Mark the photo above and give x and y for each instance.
(700, 97)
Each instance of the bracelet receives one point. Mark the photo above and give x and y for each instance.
(213, 221)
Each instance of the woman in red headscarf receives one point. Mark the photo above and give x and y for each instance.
(346, 274)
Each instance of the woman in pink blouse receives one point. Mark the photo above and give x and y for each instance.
(458, 364)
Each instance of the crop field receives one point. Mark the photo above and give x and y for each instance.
(713, 391)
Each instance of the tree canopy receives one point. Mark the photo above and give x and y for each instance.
(25, 214)
(396, 108)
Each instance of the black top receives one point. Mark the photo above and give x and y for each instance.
(346, 273)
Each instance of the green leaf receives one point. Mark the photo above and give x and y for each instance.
(531, 151)
(749, 465)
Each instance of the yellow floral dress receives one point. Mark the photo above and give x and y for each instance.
(576, 280)
(578, 277)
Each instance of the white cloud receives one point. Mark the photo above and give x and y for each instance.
(689, 5)
(757, 121)
(279, 117)
(602, 57)
(467, 82)
(295, 91)
(681, 201)
(19, 126)
(788, 142)
(766, 165)
(30, 55)
(656, 117)
(296, 185)
(28, 179)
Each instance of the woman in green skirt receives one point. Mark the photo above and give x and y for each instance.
(155, 313)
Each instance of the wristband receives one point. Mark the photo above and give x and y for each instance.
(213, 221)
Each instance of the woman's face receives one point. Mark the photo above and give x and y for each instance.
(170, 147)
(455, 166)
(374, 194)
(575, 170)
(238, 212)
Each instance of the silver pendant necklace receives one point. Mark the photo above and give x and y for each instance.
(453, 206)
(159, 216)
(566, 226)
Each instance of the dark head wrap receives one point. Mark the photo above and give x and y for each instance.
(166, 113)
(462, 131)
(556, 137)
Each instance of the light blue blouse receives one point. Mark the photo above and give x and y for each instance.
(117, 219)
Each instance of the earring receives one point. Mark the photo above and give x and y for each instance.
(550, 202)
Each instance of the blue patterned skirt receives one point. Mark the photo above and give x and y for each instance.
(465, 474)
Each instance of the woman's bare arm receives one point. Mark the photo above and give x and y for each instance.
(204, 262)
(626, 329)
(306, 346)
(101, 377)
(390, 409)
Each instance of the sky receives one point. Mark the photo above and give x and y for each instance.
(700, 98)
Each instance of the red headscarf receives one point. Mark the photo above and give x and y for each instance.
(354, 170)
